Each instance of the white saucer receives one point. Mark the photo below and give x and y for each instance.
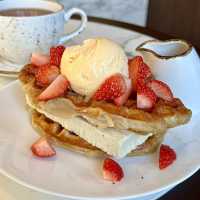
(9, 69)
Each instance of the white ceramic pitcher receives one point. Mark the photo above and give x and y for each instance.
(177, 63)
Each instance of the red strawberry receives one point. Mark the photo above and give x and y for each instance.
(161, 89)
(146, 98)
(144, 71)
(46, 74)
(112, 88)
(39, 59)
(56, 55)
(133, 66)
(119, 101)
(43, 148)
(166, 156)
(112, 171)
(139, 72)
(32, 69)
(56, 89)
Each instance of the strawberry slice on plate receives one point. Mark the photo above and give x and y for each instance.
(161, 89)
(56, 55)
(39, 59)
(112, 171)
(146, 98)
(46, 74)
(166, 156)
(43, 148)
(112, 88)
(56, 89)
(119, 101)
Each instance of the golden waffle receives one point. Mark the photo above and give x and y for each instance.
(65, 139)
(164, 115)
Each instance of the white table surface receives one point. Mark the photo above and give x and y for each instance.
(9, 190)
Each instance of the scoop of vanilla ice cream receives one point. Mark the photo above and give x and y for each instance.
(87, 66)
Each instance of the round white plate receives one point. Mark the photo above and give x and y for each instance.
(10, 190)
(75, 176)
(68, 174)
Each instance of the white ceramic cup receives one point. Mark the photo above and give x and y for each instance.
(20, 36)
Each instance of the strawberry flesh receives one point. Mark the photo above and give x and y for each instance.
(46, 74)
(166, 156)
(144, 71)
(56, 55)
(112, 88)
(139, 72)
(32, 69)
(119, 101)
(43, 148)
(146, 98)
(162, 90)
(56, 89)
(38, 59)
(112, 171)
(134, 65)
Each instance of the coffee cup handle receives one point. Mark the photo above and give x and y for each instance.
(76, 32)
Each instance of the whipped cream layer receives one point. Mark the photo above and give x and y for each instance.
(87, 66)
(113, 141)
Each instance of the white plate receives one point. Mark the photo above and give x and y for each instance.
(75, 176)
(10, 190)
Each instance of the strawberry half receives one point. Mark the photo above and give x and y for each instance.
(139, 72)
(119, 101)
(39, 59)
(56, 55)
(43, 148)
(112, 88)
(144, 71)
(161, 89)
(166, 156)
(133, 66)
(112, 171)
(146, 98)
(56, 89)
(46, 74)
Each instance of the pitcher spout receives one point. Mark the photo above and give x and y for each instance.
(165, 49)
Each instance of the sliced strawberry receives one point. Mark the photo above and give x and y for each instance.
(144, 71)
(56, 89)
(119, 101)
(166, 156)
(56, 55)
(39, 59)
(112, 171)
(139, 72)
(112, 88)
(146, 98)
(161, 89)
(43, 148)
(32, 69)
(46, 74)
(133, 65)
